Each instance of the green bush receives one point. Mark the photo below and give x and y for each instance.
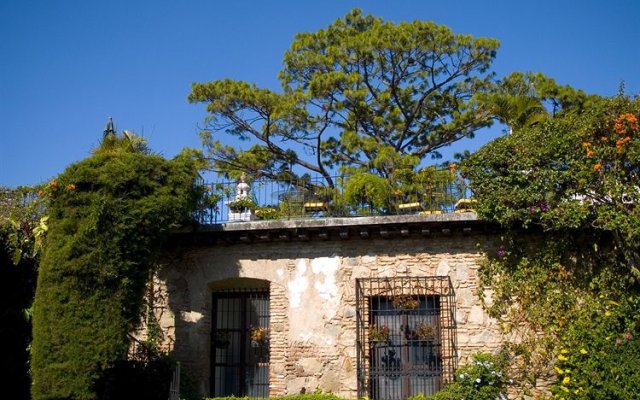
(268, 213)
(600, 353)
(108, 216)
(365, 190)
(482, 379)
(132, 379)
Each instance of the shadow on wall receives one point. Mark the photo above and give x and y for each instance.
(215, 316)
(218, 327)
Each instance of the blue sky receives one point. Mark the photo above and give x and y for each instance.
(65, 66)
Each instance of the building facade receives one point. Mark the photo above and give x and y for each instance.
(383, 307)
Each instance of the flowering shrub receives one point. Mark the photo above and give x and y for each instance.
(268, 213)
(600, 354)
(566, 193)
(482, 379)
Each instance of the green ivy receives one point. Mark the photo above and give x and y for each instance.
(108, 217)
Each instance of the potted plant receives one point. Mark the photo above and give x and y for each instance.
(259, 336)
(405, 302)
(424, 331)
(379, 335)
(242, 205)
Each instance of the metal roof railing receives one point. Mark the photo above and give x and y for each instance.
(312, 198)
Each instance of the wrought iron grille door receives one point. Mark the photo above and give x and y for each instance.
(240, 343)
(406, 336)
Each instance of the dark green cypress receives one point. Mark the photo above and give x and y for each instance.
(108, 217)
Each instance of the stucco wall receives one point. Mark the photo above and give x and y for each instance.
(312, 289)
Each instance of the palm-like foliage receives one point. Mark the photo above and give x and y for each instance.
(516, 112)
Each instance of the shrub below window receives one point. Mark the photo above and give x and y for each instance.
(482, 379)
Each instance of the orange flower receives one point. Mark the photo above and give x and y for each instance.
(625, 123)
(597, 167)
(71, 186)
(53, 184)
(453, 167)
(40, 193)
(621, 142)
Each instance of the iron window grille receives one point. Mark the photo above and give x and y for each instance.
(406, 336)
(240, 343)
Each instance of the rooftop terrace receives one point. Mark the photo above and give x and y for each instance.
(311, 199)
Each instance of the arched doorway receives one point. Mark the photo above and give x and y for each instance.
(240, 338)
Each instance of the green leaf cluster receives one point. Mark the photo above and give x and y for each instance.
(600, 353)
(521, 100)
(431, 188)
(577, 170)
(108, 217)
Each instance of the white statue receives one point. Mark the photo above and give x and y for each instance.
(242, 190)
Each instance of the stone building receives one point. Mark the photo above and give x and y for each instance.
(384, 307)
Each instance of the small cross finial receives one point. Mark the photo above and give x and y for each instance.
(109, 130)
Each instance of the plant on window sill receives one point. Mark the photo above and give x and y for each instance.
(424, 331)
(259, 335)
(379, 334)
(222, 339)
(405, 302)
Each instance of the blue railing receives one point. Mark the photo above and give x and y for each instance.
(313, 198)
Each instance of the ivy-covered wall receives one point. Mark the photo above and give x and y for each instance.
(572, 297)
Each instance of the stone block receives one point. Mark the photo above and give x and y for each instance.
(308, 367)
(330, 381)
(476, 315)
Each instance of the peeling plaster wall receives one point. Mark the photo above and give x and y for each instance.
(312, 291)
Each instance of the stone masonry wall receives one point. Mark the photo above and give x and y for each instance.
(312, 292)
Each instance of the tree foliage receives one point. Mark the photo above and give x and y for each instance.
(22, 229)
(578, 170)
(363, 95)
(108, 215)
(564, 281)
(521, 100)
